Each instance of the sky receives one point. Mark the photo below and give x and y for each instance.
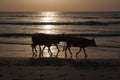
(59, 5)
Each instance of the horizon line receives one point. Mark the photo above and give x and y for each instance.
(59, 11)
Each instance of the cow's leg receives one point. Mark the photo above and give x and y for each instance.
(78, 52)
(34, 54)
(70, 50)
(40, 51)
(57, 49)
(66, 50)
(64, 47)
(43, 49)
(85, 53)
(49, 51)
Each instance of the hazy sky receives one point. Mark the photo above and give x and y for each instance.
(59, 5)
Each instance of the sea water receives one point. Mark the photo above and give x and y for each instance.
(16, 29)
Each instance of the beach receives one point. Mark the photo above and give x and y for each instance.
(59, 69)
(102, 63)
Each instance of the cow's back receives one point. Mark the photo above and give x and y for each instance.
(45, 39)
(78, 42)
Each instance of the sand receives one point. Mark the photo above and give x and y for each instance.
(59, 69)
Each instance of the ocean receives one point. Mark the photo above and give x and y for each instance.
(16, 29)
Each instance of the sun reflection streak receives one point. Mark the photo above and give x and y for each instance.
(48, 17)
(49, 29)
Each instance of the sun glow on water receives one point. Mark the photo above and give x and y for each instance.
(49, 29)
(48, 17)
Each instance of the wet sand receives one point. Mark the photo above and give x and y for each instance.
(58, 69)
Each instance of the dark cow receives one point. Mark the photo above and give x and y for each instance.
(47, 40)
(82, 43)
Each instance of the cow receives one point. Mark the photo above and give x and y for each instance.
(47, 40)
(82, 43)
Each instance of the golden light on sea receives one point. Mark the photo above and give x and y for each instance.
(49, 29)
(48, 17)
